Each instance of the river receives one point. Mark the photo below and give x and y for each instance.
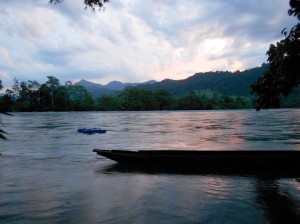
(49, 174)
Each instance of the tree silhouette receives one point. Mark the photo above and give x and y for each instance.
(53, 84)
(93, 4)
(2, 132)
(283, 74)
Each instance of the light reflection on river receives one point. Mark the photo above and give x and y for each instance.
(49, 173)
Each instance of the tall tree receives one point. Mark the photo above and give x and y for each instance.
(53, 84)
(79, 98)
(15, 87)
(283, 74)
(34, 88)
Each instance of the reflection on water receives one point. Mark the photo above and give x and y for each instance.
(278, 205)
(49, 173)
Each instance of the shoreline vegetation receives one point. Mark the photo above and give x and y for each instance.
(31, 96)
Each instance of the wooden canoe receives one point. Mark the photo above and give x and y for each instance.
(270, 160)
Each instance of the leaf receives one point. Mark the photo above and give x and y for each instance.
(284, 32)
(2, 136)
(2, 132)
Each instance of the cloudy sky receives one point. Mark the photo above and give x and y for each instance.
(135, 40)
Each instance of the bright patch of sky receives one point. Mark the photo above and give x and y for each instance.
(135, 40)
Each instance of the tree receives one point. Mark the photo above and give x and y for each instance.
(79, 98)
(15, 87)
(93, 4)
(136, 99)
(53, 84)
(23, 101)
(2, 132)
(34, 95)
(163, 99)
(189, 101)
(108, 103)
(283, 74)
(34, 88)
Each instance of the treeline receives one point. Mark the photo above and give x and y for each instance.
(49, 96)
(136, 99)
(52, 96)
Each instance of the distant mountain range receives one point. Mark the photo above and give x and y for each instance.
(225, 82)
(97, 90)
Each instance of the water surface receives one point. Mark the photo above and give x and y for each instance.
(49, 174)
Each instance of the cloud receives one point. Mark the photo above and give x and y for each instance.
(135, 40)
(5, 78)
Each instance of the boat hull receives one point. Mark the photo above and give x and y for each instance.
(268, 160)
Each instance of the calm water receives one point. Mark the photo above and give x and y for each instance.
(49, 174)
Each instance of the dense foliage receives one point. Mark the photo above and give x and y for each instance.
(52, 96)
(283, 75)
(210, 90)
(225, 82)
(137, 99)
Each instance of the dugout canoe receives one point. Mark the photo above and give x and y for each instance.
(270, 160)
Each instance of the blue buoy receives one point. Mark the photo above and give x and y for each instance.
(91, 130)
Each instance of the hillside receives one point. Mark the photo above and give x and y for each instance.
(227, 83)
(97, 90)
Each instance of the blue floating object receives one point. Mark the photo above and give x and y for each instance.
(80, 130)
(91, 130)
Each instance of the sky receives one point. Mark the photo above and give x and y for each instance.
(135, 40)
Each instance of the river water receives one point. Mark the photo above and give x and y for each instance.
(49, 174)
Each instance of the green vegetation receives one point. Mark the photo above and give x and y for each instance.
(225, 82)
(52, 96)
(282, 77)
(202, 91)
(138, 99)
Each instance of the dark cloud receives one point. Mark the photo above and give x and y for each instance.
(242, 19)
(136, 39)
(56, 58)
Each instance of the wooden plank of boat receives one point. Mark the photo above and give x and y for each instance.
(229, 159)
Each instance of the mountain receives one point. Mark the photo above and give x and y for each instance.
(94, 89)
(225, 82)
(117, 85)
(97, 90)
(88, 84)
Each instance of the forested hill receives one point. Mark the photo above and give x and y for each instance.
(97, 90)
(227, 83)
